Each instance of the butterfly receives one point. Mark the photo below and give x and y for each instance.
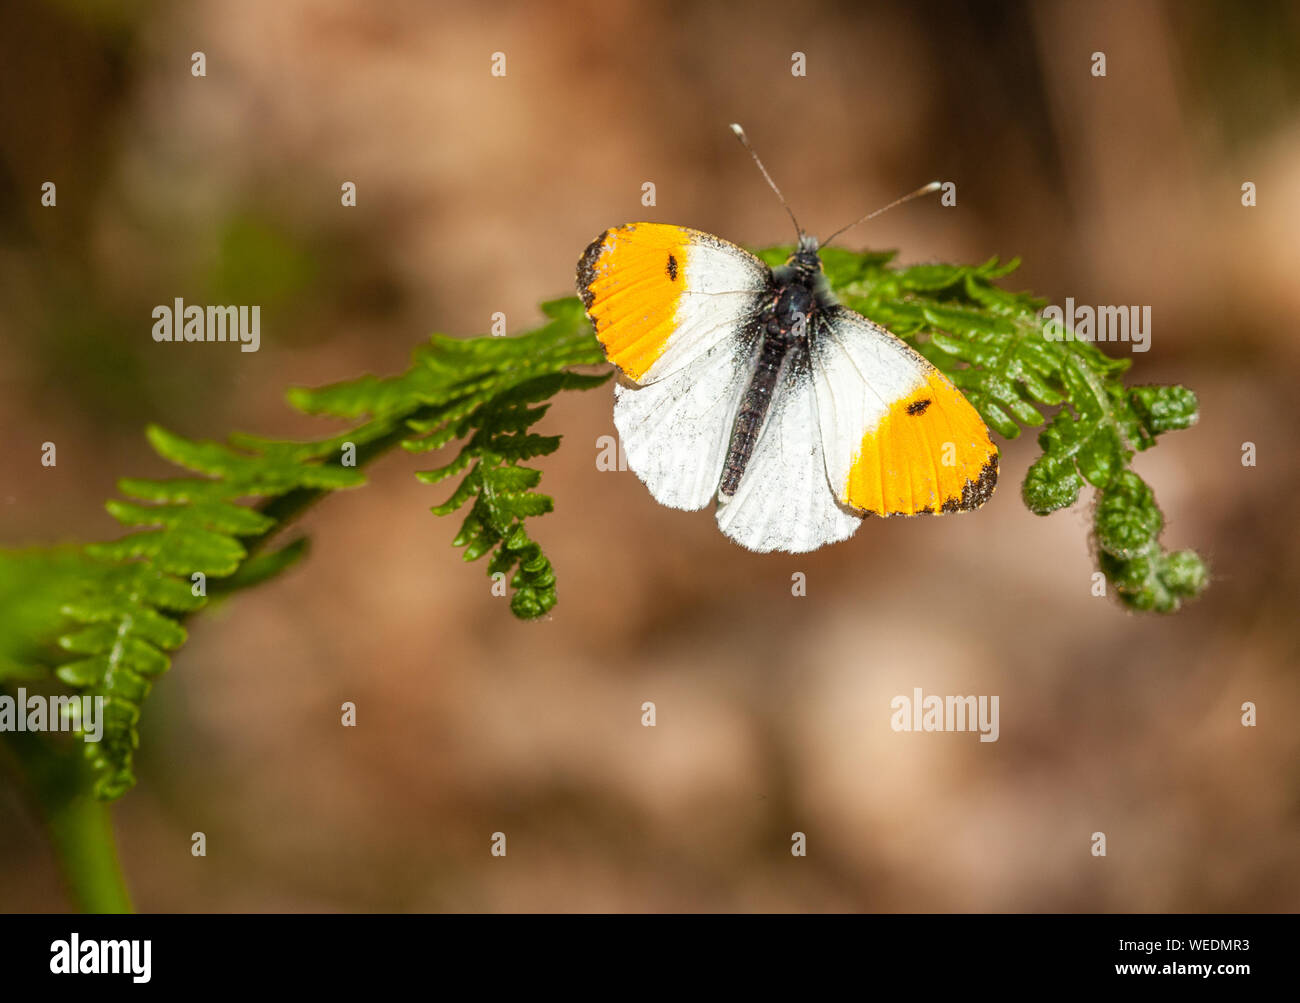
(753, 386)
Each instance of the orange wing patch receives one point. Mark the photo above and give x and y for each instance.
(930, 453)
(631, 279)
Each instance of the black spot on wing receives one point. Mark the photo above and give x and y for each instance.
(918, 407)
(672, 269)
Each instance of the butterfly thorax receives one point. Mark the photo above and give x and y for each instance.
(797, 296)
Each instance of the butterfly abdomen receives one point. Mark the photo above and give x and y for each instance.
(784, 326)
(753, 409)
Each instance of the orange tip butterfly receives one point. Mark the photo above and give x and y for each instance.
(752, 385)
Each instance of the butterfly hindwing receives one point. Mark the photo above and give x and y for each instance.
(783, 500)
(675, 430)
(660, 296)
(899, 438)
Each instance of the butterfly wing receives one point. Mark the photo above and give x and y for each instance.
(673, 309)
(661, 296)
(784, 500)
(675, 431)
(898, 437)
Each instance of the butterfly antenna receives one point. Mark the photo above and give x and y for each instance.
(933, 186)
(744, 141)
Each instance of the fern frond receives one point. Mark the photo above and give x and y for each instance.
(481, 390)
(106, 618)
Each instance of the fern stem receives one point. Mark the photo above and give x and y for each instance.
(285, 508)
(81, 831)
(80, 827)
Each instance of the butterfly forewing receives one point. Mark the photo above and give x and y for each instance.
(899, 438)
(661, 296)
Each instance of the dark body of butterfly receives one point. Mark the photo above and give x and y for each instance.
(798, 298)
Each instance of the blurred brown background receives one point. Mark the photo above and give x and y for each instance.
(477, 194)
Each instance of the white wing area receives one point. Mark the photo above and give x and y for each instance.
(859, 369)
(720, 288)
(675, 430)
(784, 500)
(702, 323)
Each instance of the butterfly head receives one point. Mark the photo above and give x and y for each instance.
(805, 260)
